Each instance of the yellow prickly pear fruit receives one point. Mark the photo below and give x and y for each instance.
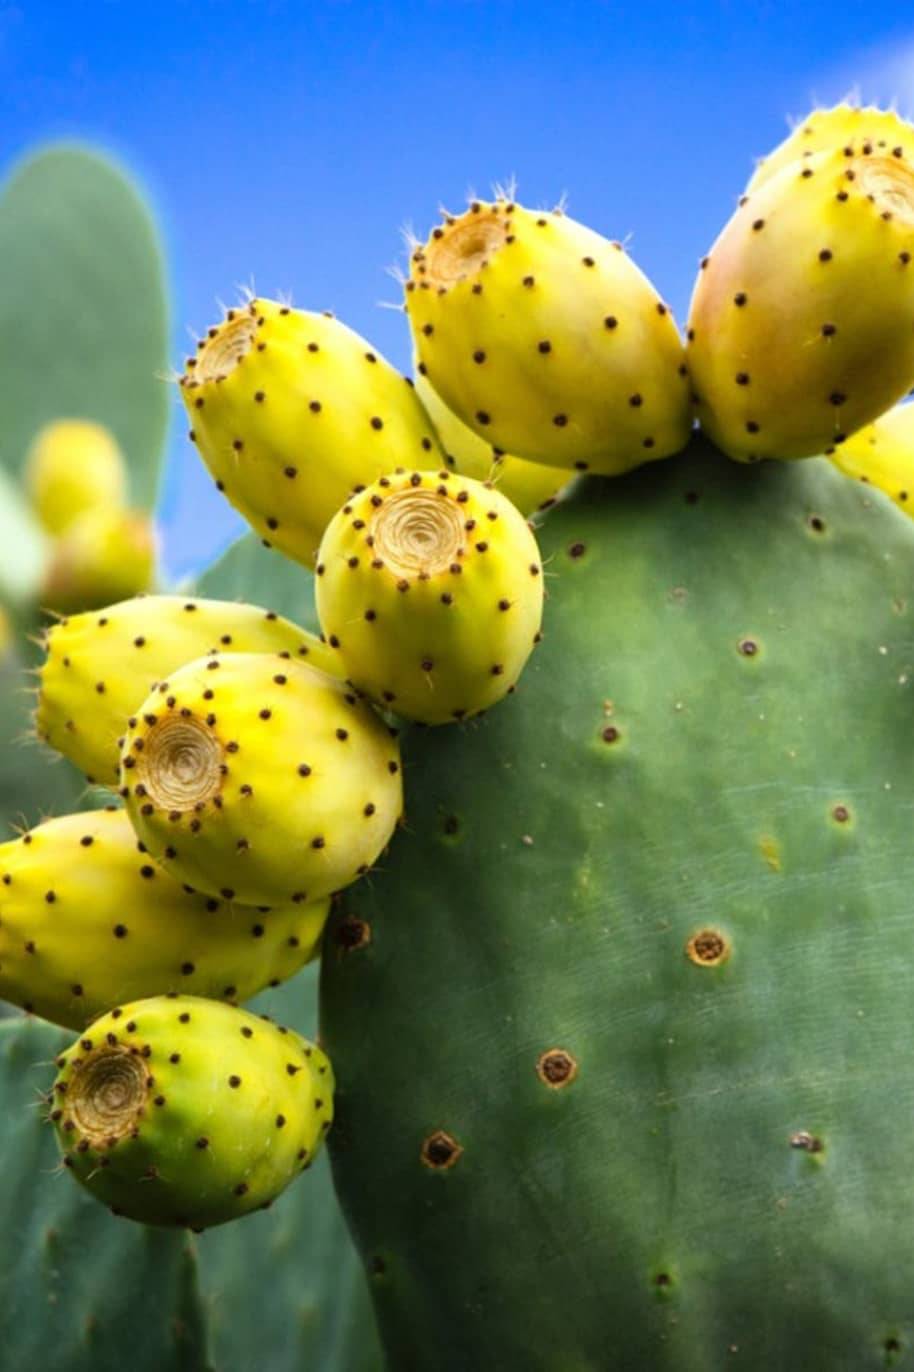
(87, 921)
(100, 666)
(430, 588)
(260, 780)
(74, 466)
(181, 1111)
(882, 455)
(104, 555)
(800, 329)
(547, 340)
(859, 131)
(528, 485)
(291, 411)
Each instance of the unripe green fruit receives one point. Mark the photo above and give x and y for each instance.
(260, 780)
(182, 1111)
(430, 588)
(87, 922)
(101, 665)
(291, 411)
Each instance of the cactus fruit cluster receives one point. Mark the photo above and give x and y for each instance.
(613, 976)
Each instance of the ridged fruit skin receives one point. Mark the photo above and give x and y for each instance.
(528, 485)
(858, 130)
(800, 326)
(882, 455)
(87, 921)
(104, 555)
(74, 466)
(99, 667)
(547, 340)
(429, 587)
(216, 1110)
(261, 780)
(291, 411)
(715, 736)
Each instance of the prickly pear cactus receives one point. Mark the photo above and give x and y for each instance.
(645, 937)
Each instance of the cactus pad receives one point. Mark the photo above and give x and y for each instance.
(655, 1109)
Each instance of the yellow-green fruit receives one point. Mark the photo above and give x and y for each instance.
(801, 322)
(182, 1111)
(261, 780)
(430, 588)
(6, 634)
(857, 130)
(104, 555)
(291, 411)
(882, 455)
(100, 666)
(548, 341)
(528, 485)
(74, 466)
(87, 921)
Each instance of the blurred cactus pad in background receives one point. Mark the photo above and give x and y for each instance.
(522, 807)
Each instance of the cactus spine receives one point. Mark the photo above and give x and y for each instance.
(547, 340)
(87, 922)
(430, 588)
(260, 780)
(291, 411)
(182, 1111)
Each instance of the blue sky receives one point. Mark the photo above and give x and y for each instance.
(288, 144)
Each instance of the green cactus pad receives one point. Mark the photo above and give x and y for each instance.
(640, 1005)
